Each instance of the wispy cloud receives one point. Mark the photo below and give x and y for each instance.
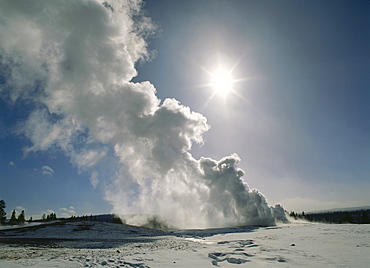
(67, 212)
(18, 209)
(46, 170)
(11, 164)
(94, 180)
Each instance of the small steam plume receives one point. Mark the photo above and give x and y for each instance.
(74, 61)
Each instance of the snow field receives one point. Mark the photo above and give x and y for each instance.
(94, 244)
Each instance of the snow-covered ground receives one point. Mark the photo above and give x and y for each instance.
(97, 244)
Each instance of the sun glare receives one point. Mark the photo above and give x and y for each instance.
(222, 81)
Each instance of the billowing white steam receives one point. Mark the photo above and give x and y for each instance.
(74, 60)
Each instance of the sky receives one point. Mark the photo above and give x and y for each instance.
(82, 133)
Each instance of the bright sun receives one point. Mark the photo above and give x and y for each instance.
(222, 81)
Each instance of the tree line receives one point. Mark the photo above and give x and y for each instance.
(355, 216)
(21, 219)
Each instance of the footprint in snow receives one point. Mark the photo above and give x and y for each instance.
(232, 257)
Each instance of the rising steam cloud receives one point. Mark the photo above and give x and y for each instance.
(74, 60)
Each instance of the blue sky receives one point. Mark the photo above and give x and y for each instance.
(299, 117)
(302, 133)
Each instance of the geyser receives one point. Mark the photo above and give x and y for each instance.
(74, 61)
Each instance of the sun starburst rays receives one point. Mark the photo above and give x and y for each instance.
(222, 83)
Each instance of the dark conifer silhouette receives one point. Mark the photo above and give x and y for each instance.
(13, 218)
(22, 217)
(365, 217)
(2, 212)
(350, 216)
(50, 217)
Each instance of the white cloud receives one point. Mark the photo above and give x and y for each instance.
(11, 164)
(18, 209)
(48, 211)
(46, 170)
(94, 180)
(67, 212)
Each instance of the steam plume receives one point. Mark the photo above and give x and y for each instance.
(74, 61)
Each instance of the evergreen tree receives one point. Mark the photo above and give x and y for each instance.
(2, 212)
(22, 217)
(30, 220)
(293, 214)
(347, 218)
(365, 217)
(13, 218)
(50, 217)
